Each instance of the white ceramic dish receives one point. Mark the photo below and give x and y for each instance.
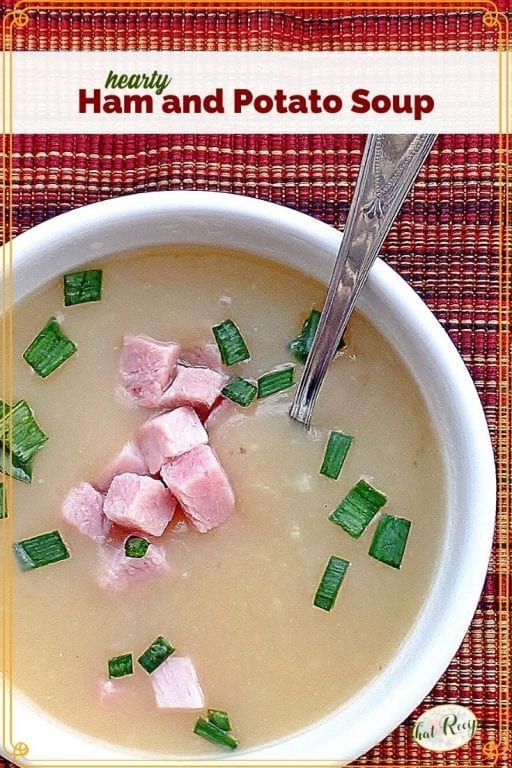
(96, 231)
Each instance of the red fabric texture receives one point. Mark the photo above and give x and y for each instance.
(444, 243)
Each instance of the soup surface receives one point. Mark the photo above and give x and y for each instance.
(237, 600)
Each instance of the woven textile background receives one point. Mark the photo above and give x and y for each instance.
(445, 242)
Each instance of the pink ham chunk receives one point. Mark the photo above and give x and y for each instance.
(130, 459)
(201, 486)
(169, 435)
(220, 412)
(204, 353)
(83, 508)
(117, 572)
(197, 387)
(147, 367)
(176, 685)
(139, 503)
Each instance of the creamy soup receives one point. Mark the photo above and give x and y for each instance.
(237, 600)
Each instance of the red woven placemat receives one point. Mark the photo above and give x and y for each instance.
(445, 242)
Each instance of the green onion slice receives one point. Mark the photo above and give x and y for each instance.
(40, 550)
(82, 287)
(358, 509)
(159, 650)
(335, 454)
(233, 348)
(11, 465)
(49, 350)
(240, 391)
(275, 381)
(220, 719)
(300, 346)
(20, 431)
(136, 546)
(214, 734)
(389, 540)
(331, 582)
(3, 503)
(120, 666)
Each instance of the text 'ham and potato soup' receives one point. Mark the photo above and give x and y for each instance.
(195, 572)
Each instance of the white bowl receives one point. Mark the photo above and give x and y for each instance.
(96, 231)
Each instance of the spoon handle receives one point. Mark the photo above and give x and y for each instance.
(389, 167)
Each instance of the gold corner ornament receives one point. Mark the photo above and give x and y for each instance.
(493, 750)
(20, 749)
(491, 17)
(16, 17)
(20, 16)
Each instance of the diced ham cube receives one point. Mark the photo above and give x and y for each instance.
(176, 685)
(204, 353)
(201, 486)
(130, 459)
(197, 387)
(147, 367)
(139, 503)
(83, 508)
(169, 435)
(118, 572)
(220, 412)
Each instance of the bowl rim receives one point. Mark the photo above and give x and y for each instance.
(395, 704)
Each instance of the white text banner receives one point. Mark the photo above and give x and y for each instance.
(254, 92)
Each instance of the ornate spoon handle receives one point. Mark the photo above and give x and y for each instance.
(389, 167)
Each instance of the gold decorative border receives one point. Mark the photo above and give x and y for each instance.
(492, 17)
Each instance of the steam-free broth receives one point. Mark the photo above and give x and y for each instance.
(239, 599)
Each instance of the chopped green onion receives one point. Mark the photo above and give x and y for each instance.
(331, 582)
(220, 719)
(120, 666)
(49, 350)
(233, 348)
(20, 431)
(82, 287)
(40, 550)
(136, 546)
(240, 391)
(20, 470)
(214, 734)
(300, 346)
(335, 454)
(3, 503)
(389, 540)
(275, 381)
(159, 650)
(358, 509)
(10, 464)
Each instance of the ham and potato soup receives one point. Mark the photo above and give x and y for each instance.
(230, 578)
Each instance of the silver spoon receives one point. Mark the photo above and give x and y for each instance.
(389, 167)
